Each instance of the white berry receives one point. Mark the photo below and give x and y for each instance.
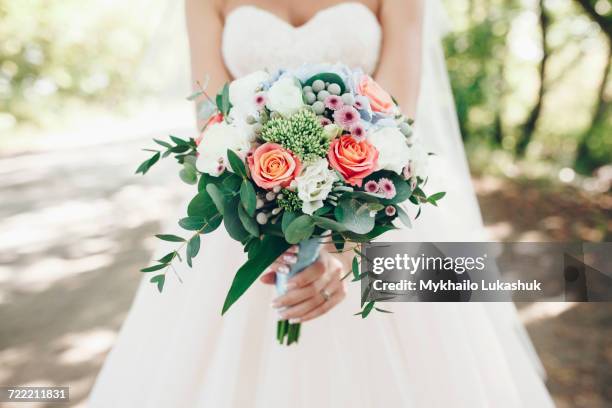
(334, 89)
(348, 99)
(310, 98)
(318, 107)
(318, 85)
(322, 95)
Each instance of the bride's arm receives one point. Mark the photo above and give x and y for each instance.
(205, 28)
(399, 71)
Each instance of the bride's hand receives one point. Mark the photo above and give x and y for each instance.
(312, 292)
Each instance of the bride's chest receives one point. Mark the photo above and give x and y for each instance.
(254, 38)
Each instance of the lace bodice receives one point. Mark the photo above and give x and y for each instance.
(254, 38)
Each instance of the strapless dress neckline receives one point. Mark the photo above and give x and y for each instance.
(255, 38)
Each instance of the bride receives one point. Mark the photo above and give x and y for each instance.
(175, 350)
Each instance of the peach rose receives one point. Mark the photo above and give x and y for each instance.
(218, 118)
(354, 160)
(380, 100)
(271, 165)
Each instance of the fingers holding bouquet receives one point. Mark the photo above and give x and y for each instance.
(312, 292)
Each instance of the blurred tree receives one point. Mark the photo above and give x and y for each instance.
(529, 127)
(595, 147)
(500, 63)
(476, 58)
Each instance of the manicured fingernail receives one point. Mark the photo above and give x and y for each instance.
(290, 259)
(281, 316)
(295, 320)
(284, 269)
(291, 285)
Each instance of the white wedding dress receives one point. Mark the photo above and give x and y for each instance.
(175, 349)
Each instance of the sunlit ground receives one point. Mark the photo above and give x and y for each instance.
(76, 225)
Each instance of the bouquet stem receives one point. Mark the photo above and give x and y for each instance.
(287, 333)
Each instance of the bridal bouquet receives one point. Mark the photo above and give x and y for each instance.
(306, 156)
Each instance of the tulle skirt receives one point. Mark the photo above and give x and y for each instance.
(175, 349)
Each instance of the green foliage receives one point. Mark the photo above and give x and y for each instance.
(54, 52)
(290, 201)
(248, 197)
(354, 215)
(263, 256)
(300, 229)
(301, 133)
(494, 60)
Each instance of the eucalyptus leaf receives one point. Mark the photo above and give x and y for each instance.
(146, 165)
(403, 216)
(178, 141)
(166, 258)
(205, 110)
(170, 238)
(248, 222)
(222, 100)
(193, 223)
(236, 163)
(188, 176)
(288, 217)
(300, 229)
(195, 95)
(154, 268)
(248, 197)
(217, 197)
(231, 183)
(232, 222)
(193, 247)
(328, 224)
(355, 267)
(433, 199)
(202, 205)
(367, 309)
(159, 280)
(162, 143)
(354, 215)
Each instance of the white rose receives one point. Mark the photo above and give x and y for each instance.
(218, 138)
(285, 96)
(242, 97)
(314, 184)
(242, 92)
(418, 159)
(332, 131)
(393, 150)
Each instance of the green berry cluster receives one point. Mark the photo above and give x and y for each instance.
(301, 133)
(289, 201)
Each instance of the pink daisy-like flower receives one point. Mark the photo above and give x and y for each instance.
(387, 188)
(371, 187)
(390, 210)
(333, 102)
(361, 102)
(346, 117)
(358, 132)
(260, 100)
(407, 172)
(324, 121)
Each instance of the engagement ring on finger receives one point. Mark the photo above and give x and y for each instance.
(325, 294)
